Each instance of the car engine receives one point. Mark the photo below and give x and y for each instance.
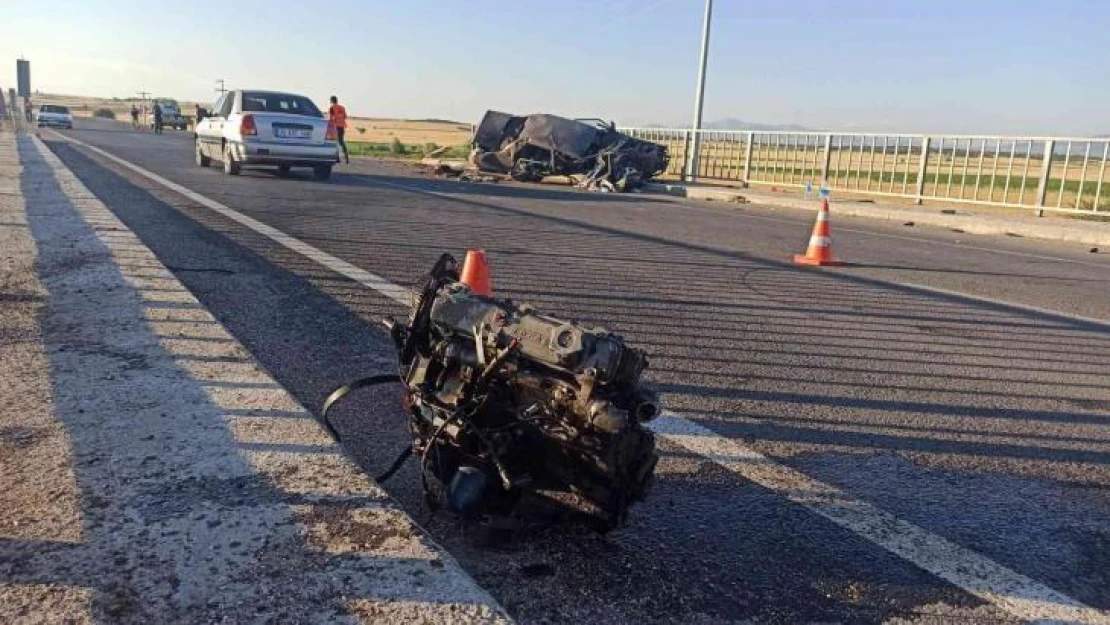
(507, 405)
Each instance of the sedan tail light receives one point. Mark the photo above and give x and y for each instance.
(247, 127)
(331, 135)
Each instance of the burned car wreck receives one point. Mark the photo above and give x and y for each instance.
(531, 147)
(517, 416)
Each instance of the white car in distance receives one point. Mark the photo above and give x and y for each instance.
(55, 116)
(249, 128)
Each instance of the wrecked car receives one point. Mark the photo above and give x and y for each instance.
(529, 148)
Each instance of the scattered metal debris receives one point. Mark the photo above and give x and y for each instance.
(531, 148)
(460, 171)
(474, 176)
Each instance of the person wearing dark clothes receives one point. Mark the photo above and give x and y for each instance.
(337, 114)
(157, 118)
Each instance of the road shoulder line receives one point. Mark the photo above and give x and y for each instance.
(206, 490)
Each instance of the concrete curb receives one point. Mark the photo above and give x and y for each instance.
(1071, 231)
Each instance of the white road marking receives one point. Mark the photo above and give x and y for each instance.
(911, 285)
(976, 574)
(1011, 591)
(207, 419)
(899, 237)
(977, 248)
(990, 300)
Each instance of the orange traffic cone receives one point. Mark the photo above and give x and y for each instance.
(475, 273)
(819, 251)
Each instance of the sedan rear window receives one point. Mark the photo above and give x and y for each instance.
(53, 108)
(259, 102)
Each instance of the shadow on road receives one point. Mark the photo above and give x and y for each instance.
(815, 368)
(181, 510)
(505, 189)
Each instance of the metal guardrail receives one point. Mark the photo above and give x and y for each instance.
(1061, 174)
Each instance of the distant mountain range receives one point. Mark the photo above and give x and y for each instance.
(730, 123)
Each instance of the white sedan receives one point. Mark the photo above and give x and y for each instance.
(55, 115)
(269, 129)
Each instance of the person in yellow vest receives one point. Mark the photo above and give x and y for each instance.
(337, 114)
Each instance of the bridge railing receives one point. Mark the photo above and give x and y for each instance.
(1062, 174)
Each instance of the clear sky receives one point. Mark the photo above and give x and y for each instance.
(975, 66)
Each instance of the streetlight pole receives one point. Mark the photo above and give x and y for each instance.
(145, 95)
(695, 140)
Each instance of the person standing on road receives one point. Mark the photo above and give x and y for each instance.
(134, 117)
(28, 110)
(157, 118)
(337, 115)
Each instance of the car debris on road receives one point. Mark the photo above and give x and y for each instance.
(455, 169)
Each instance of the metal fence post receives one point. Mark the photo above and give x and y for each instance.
(921, 169)
(687, 173)
(748, 157)
(828, 159)
(1046, 169)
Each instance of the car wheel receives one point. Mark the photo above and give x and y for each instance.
(202, 160)
(322, 172)
(523, 172)
(231, 166)
(283, 170)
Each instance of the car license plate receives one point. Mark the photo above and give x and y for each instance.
(292, 133)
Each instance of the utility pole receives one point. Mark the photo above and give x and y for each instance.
(221, 88)
(699, 95)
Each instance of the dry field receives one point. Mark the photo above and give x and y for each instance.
(377, 130)
(363, 129)
(1074, 182)
(85, 106)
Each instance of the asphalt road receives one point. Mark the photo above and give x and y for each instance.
(980, 414)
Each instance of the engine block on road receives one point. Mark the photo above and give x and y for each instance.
(507, 403)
